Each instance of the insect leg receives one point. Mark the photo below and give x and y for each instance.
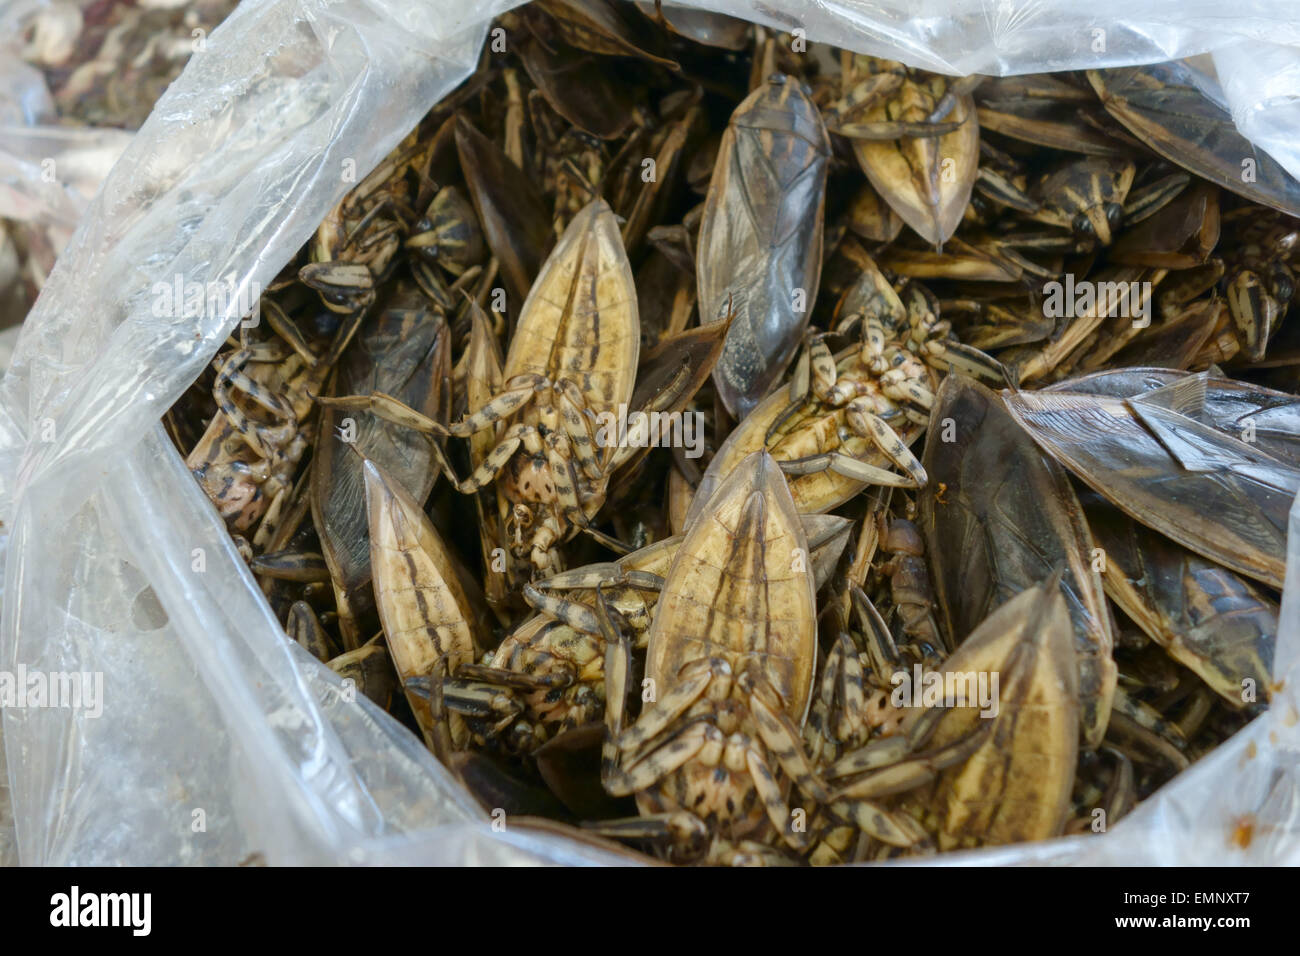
(487, 709)
(895, 829)
(848, 467)
(774, 802)
(749, 853)
(304, 627)
(782, 737)
(519, 391)
(610, 574)
(572, 407)
(662, 760)
(1121, 794)
(544, 671)
(479, 699)
(912, 772)
(873, 345)
(618, 668)
(265, 440)
(1254, 312)
(863, 95)
(281, 325)
(302, 566)
(579, 616)
(684, 831)
(954, 356)
(907, 392)
(565, 478)
(691, 683)
(849, 691)
(496, 459)
(887, 130)
(566, 491)
(388, 408)
(881, 650)
(429, 687)
(869, 425)
(822, 372)
(816, 731)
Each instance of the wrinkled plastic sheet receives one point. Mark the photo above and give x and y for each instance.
(219, 738)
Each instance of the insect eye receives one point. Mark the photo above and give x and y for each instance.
(1082, 225)
(1114, 213)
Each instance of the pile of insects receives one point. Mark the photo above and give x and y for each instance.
(729, 450)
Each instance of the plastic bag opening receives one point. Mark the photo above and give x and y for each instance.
(217, 739)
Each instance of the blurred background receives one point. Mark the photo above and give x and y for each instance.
(76, 80)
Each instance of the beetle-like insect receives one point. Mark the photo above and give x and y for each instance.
(1014, 767)
(846, 418)
(731, 658)
(571, 365)
(1009, 518)
(555, 659)
(760, 246)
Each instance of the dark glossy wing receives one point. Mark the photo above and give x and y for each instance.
(1163, 105)
(1221, 497)
(760, 245)
(1209, 619)
(405, 352)
(1003, 519)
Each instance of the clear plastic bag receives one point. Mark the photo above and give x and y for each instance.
(218, 738)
